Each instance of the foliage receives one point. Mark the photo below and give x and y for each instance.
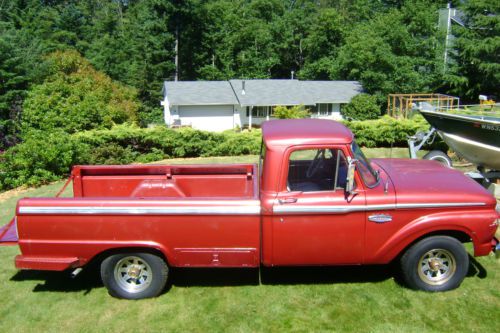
(76, 97)
(41, 158)
(161, 142)
(395, 52)
(390, 46)
(386, 131)
(293, 112)
(476, 59)
(362, 107)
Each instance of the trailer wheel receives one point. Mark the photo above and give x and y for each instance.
(134, 275)
(437, 263)
(439, 156)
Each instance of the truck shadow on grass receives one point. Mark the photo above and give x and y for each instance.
(89, 278)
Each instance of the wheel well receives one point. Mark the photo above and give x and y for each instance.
(458, 235)
(97, 259)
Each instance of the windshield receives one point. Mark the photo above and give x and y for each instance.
(370, 177)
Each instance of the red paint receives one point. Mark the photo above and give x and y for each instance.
(231, 239)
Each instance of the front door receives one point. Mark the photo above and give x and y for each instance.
(314, 221)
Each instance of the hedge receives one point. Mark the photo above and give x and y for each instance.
(386, 131)
(44, 157)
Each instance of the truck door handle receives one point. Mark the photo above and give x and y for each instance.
(287, 200)
(380, 218)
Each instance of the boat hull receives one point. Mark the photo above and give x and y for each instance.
(477, 139)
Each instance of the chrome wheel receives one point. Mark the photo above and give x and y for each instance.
(133, 274)
(436, 267)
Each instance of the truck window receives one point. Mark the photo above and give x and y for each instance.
(312, 170)
(370, 177)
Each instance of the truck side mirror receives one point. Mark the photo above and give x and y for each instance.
(350, 176)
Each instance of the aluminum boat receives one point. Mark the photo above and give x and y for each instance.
(475, 138)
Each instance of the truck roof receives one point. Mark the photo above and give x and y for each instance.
(286, 132)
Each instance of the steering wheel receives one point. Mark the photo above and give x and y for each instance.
(316, 163)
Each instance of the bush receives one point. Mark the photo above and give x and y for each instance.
(294, 112)
(148, 144)
(41, 158)
(386, 131)
(76, 97)
(362, 107)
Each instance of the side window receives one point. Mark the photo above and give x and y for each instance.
(312, 170)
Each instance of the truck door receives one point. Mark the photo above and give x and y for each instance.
(314, 221)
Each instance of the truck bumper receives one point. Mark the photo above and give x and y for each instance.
(495, 245)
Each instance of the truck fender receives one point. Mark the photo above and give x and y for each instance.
(115, 247)
(433, 224)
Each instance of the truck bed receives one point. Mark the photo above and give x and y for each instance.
(197, 215)
(156, 181)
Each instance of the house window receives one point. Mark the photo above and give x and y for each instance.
(324, 109)
(259, 111)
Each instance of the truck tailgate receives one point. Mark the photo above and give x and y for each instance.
(8, 233)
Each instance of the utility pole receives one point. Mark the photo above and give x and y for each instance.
(446, 42)
(176, 78)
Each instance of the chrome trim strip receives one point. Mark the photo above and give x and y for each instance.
(362, 208)
(329, 209)
(440, 204)
(191, 210)
(228, 210)
(380, 218)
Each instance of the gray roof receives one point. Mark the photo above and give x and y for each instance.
(199, 93)
(260, 92)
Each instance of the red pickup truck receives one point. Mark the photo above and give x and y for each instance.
(315, 200)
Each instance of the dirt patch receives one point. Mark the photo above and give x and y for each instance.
(15, 192)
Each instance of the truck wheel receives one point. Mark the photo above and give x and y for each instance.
(438, 156)
(437, 263)
(134, 275)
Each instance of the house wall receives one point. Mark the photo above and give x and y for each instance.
(215, 118)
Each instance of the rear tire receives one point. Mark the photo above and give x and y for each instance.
(134, 275)
(439, 156)
(437, 263)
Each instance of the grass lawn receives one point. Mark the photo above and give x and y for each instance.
(345, 299)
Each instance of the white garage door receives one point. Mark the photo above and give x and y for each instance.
(214, 118)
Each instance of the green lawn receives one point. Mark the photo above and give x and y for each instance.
(300, 299)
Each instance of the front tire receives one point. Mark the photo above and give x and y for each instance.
(134, 275)
(437, 263)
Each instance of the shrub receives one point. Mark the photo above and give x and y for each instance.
(362, 107)
(76, 97)
(294, 112)
(386, 131)
(234, 144)
(41, 158)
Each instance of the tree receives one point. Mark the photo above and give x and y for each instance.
(76, 97)
(476, 58)
(395, 52)
(362, 107)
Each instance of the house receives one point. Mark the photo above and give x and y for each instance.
(222, 105)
